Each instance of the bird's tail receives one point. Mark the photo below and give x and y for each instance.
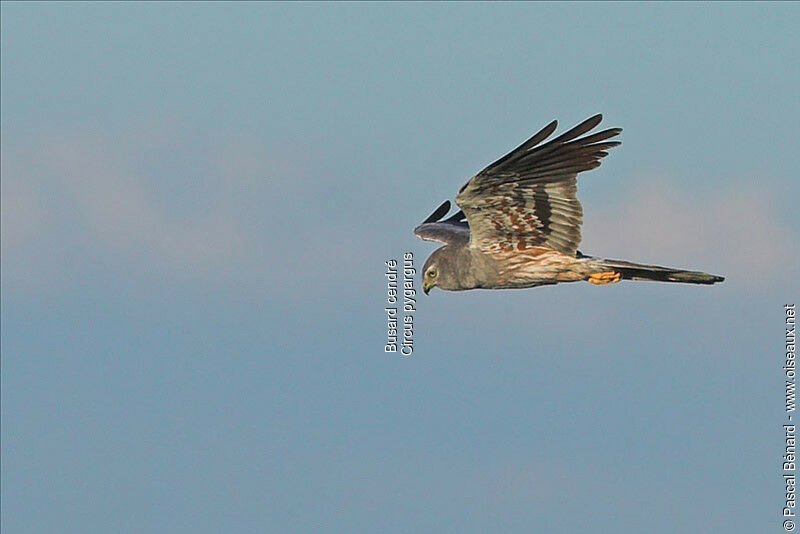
(638, 271)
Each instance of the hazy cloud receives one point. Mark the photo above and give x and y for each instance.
(735, 232)
(232, 208)
(225, 208)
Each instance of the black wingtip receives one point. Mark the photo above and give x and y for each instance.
(440, 212)
(592, 121)
(576, 131)
(458, 217)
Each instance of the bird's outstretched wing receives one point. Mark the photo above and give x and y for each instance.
(527, 198)
(451, 230)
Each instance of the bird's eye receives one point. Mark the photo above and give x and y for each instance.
(432, 273)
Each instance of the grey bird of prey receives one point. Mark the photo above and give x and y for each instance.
(520, 222)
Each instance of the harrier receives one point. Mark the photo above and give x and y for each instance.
(520, 222)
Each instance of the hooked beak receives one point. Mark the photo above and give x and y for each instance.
(426, 288)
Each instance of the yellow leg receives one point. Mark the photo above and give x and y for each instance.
(604, 277)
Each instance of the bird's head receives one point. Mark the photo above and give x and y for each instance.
(438, 271)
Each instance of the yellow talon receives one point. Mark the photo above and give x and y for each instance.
(604, 277)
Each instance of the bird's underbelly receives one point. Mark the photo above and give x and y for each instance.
(523, 269)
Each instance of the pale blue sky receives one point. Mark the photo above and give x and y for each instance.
(197, 201)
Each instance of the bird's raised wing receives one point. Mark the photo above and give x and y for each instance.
(451, 230)
(527, 198)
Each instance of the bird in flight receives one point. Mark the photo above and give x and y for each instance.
(520, 222)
